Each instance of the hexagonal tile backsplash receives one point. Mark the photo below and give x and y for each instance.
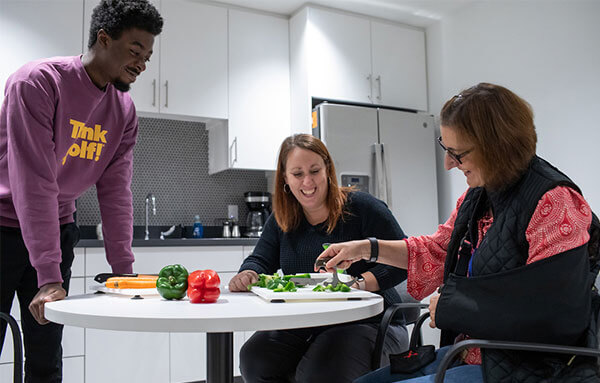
(171, 161)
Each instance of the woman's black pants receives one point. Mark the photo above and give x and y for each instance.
(332, 354)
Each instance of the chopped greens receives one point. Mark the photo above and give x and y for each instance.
(329, 288)
(279, 283)
(275, 282)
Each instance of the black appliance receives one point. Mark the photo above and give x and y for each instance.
(259, 209)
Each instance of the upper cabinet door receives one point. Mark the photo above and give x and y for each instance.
(193, 59)
(145, 90)
(259, 88)
(399, 67)
(339, 62)
(31, 30)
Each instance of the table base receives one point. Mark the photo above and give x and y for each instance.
(219, 354)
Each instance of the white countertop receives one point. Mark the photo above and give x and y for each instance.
(232, 312)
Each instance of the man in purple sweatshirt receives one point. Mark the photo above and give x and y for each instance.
(66, 124)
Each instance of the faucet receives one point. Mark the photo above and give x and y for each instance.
(149, 197)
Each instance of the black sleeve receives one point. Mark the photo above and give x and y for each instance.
(547, 301)
(378, 221)
(265, 256)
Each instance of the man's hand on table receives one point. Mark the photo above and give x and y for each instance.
(242, 280)
(48, 293)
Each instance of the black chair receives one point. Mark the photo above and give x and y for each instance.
(17, 347)
(457, 348)
(390, 313)
(592, 351)
(411, 309)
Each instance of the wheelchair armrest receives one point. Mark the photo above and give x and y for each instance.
(501, 345)
(389, 314)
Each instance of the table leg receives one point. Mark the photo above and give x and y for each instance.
(219, 357)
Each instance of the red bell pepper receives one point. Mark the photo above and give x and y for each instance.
(203, 286)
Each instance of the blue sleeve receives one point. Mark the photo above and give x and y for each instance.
(265, 256)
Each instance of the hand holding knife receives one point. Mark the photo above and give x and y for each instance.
(320, 264)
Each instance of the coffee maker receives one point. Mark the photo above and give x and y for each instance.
(259, 209)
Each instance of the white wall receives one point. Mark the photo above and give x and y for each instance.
(548, 52)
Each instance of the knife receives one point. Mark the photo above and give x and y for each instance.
(306, 281)
(102, 277)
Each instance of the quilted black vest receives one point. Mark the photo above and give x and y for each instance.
(505, 245)
(503, 252)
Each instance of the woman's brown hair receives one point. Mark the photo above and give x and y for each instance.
(288, 211)
(499, 125)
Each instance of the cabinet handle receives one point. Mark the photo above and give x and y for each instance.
(369, 96)
(167, 94)
(154, 92)
(378, 80)
(233, 150)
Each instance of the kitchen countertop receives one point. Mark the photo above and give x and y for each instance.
(155, 242)
(212, 237)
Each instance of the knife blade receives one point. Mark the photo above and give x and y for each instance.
(103, 277)
(307, 281)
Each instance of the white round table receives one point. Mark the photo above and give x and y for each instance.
(232, 312)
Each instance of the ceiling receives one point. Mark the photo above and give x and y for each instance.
(413, 12)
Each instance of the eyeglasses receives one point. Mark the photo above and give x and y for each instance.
(454, 156)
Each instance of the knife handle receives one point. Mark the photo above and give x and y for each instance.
(102, 277)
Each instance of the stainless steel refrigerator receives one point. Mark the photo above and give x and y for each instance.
(388, 153)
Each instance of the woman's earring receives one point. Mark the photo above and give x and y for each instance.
(328, 180)
(288, 188)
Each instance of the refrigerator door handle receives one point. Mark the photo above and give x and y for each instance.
(386, 176)
(381, 182)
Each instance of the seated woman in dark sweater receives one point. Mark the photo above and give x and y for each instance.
(310, 209)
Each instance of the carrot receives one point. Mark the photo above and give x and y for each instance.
(138, 278)
(154, 277)
(133, 283)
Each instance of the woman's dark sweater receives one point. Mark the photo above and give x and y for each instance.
(296, 251)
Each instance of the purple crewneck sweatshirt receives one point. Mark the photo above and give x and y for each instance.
(59, 135)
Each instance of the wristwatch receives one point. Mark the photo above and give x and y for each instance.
(361, 284)
(374, 249)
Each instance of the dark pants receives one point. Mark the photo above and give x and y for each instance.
(331, 354)
(43, 349)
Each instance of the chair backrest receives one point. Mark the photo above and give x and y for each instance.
(17, 346)
(410, 315)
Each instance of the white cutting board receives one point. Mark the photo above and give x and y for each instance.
(306, 293)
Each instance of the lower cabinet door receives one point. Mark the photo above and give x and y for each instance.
(188, 356)
(73, 342)
(120, 356)
(73, 368)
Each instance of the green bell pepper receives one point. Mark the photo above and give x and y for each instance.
(172, 282)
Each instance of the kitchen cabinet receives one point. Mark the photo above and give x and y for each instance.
(187, 73)
(149, 356)
(338, 55)
(24, 35)
(399, 66)
(259, 94)
(341, 56)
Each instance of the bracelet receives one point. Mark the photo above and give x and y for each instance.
(374, 249)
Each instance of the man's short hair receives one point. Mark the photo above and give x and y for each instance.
(116, 16)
